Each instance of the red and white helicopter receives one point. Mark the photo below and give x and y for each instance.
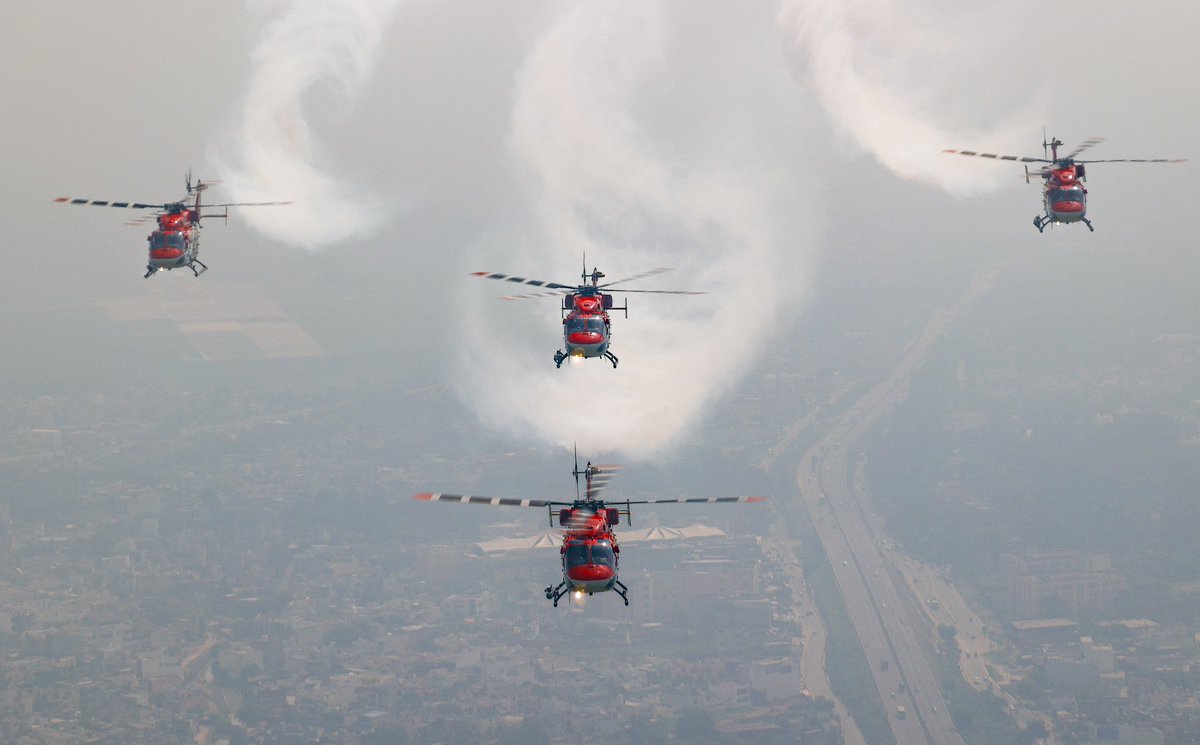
(587, 329)
(175, 241)
(1063, 196)
(589, 554)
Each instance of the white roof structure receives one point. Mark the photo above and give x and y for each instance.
(546, 539)
(663, 533)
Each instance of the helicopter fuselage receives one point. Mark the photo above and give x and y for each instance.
(1063, 193)
(589, 552)
(587, 328)
(176, 242)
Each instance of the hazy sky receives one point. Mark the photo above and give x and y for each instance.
(751, 146)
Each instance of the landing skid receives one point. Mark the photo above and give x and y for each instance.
(151, 271)
(560, 357)
(620, 588)
(555, 593)
(1041, 221)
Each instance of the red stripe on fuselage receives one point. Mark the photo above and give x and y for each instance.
(590, 573)
(1063, 207)
(585, 337)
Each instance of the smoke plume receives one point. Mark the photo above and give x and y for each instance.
(306, 46)
(875, 67)
(632, 149)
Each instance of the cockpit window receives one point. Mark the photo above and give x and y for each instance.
(602, 554)
(166, 240)
(1066, 195)
(577, 554)
(593, 325)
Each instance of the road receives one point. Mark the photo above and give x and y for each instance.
(812, 656)
(862, 569)
(943, 605)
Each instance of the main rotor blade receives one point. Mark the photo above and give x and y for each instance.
(1137, 160)
(552, 293)
(657, 292)
(109, 203)
(524, 281)
(643, 275)
(248, 204)
(695, 500)
(1086, 144)
(994, 156)
(495, 501)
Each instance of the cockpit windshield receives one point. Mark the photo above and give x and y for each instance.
(166, 240)
(591, 325)
(577, 554)
(602, 554)
(1066, 195)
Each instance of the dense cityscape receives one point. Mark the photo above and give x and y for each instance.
(272, 586)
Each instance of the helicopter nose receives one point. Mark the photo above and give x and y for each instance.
(1068, 207)
(165, 254)
(585, 338)
(590, 573)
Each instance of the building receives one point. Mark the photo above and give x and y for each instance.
(1072, 594)
(1060, 582)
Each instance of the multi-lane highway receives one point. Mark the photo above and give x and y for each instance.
(812, 658)
(903, 675)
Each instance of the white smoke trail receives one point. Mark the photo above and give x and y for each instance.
(274, 153)
(601, 182)
(864, 60)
